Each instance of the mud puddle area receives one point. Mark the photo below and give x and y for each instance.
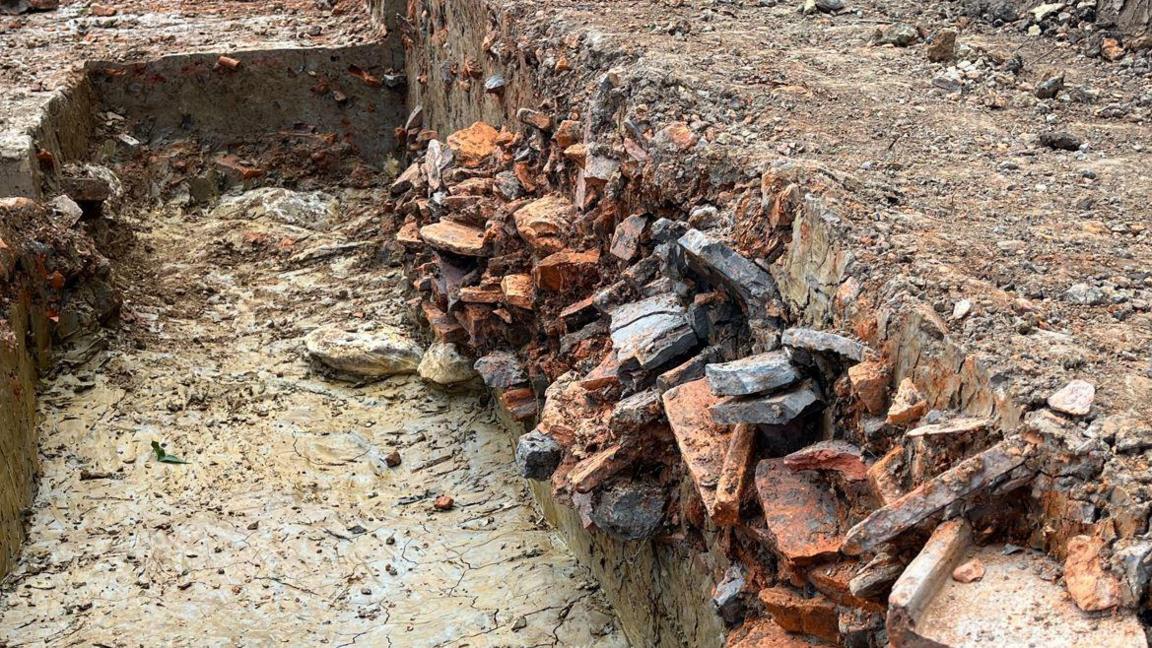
(286, 526)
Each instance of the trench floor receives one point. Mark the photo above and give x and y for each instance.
(285, 527)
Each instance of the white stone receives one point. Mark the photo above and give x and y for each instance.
(385, 351)
(312, 209)
(1075, 398)
(444, 365)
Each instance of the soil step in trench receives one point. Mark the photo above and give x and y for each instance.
(286, 525)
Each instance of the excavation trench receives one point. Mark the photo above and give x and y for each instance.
(288, 523)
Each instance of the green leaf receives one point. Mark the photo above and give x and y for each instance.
(164, 457)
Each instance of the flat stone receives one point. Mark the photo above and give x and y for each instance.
(626, 239)
(454, 237)
(702, 443)
(875, 578)
(1075, 398)
(544, 223)
(443, 364)
(966, 425)
(749, 283)
(775, 409)
(823, 341)
(501, 370)
(686, 371)
(537, 455)
(801, 514)
(840, 457)
(651, 332)
(755, 374)
(384, 351)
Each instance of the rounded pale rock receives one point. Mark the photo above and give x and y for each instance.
(444, 365)
(386, 351)
(1075, 398)
(969, 572)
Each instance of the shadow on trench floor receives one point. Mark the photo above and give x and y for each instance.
(286, 526)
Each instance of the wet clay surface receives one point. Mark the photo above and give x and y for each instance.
(286, 526)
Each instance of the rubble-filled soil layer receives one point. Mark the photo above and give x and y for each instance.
(289, 522)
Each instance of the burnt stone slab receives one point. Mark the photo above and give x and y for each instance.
(774, 409)
(651, 332)
(537, 455)
(800, 512)
(755, 374)
(501, 370)
(823, 341)
(751, 284)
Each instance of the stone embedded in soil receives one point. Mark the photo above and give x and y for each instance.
(1075, 398)
(896, 34)
(544, 223)
(969, 571)
(384, 351)
(812, 340)
(751, 284)
(775, 409)
(943, 46)
(801, 513)
(630, 510)
(752, 375)
(636, 411)
(537, 455)
(965, 478)
(1060, 140)
(501, 370)
(454, 237)
(908, 405)
(312, 210)
(443, 364)
(1092, 587)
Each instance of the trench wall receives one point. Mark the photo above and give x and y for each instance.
(661, 592)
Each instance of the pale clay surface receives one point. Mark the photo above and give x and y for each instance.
(286, 527)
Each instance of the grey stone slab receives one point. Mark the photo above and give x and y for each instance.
(775, 409)
(755, 374)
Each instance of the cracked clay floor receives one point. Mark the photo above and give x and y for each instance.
(286, 527)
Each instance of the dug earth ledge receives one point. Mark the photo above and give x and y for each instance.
(822, 324)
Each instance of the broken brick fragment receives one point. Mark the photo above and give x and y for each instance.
(455, 237)
(518, 290)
